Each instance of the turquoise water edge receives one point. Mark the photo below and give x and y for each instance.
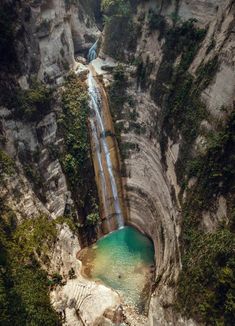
(124, 261)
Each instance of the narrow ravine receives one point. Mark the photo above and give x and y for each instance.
(105, 158)
(123, 259)
(117, 162)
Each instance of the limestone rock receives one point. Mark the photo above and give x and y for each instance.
(80, 300)
(84, 301)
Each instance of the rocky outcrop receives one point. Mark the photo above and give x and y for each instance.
(79, 301)
(51, 31)
(25, 140)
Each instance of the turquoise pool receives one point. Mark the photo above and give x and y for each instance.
(124, 261)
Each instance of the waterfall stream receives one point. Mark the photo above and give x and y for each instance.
(101, 151)
(92, 52)
(124, 258)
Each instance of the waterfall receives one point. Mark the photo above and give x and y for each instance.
(92, 52)
(100, 166)
(102, 154)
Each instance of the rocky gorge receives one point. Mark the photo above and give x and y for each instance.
(167, 70)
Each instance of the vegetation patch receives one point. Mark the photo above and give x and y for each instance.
(208, 259)
(74, 123)
(206, 288)
(127, 147)
(143, 72)
(118, 97)
(117, 92)
(120, 30)
(24, 285)
(125, 120)
(215, 170)
(178, 92)
(34, 103)
(76, 159)
(6, 165)
(156, 22)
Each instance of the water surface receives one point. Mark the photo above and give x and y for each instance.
(123, 260)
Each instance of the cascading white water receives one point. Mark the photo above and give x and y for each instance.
(92, 54)
(99, 139)
(101, 170)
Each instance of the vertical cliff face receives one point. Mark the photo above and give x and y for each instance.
(44, 50)
(172, 101)
(175, 99)
(52, 32)
(42, 195)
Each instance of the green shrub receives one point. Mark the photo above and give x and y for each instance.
(215, 169)
(117, 98)
(179, 93)
(29, 301)
(116, 7)
(56, 279)
(143, 72)
(35, 102)
(6, 164)
(207, 281)
(92, 218)
(206, 287)
(137, 128)
(76, 159)
(126, 147)
(117, 92)
(68, 219)
(23, 285)
(206, 72)
(156, 22)
(120, 30)
(185, 40)
(35, 235)
(33, 175)
(211, 46)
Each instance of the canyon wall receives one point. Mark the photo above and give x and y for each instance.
(47, 33)
(45, 49)
(153, 182)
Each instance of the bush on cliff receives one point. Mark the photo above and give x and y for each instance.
(34, 102)
(207, 282)
(6, 164)
(76, 158)
(120, 31)
(24, 285)
(116, 7)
